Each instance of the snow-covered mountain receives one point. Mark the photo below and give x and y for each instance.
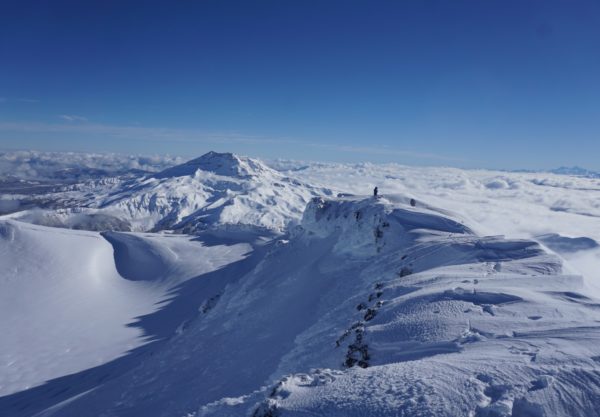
(216, 189)
(410, 304)
(371, 307)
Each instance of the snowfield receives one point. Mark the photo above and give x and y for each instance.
(454, 293)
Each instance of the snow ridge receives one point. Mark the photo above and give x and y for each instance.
(387, 222)
(397, 310)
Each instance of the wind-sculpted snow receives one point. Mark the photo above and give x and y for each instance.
(479, 333)
(60, 294)
(372, 225)
(72, 302)
(399, 310)
(564, 244)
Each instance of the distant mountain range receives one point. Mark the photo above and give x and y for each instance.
(573, 171)
(577, 171)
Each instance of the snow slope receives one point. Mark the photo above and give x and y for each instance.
(217, 189)
(373, 307)
(75, 300)
(57, 286)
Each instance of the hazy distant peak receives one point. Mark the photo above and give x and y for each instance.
(576, 171)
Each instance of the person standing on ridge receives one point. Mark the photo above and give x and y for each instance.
(375, 191)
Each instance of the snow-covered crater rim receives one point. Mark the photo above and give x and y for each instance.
(366, 226)
(323, 216)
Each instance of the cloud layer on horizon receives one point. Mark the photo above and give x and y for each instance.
(52, 165)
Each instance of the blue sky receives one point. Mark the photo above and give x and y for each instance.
(498, 84)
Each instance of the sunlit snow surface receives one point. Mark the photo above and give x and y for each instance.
(457, 303)
(519, 205)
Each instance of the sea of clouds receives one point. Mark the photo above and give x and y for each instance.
(75, 165)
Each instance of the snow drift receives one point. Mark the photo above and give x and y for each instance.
(75, 300)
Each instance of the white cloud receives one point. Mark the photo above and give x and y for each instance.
(48, 165)
(22, 100)
(73, 118)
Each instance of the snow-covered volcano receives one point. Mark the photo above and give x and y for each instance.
(216, 189)
(373, 307)
(223, 164)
